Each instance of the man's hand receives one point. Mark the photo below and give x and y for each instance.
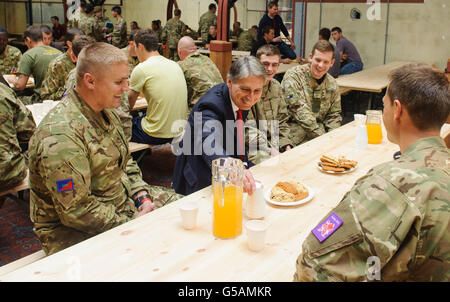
(249, 182)
(292, 45)
(277, 39)
(344, 56)
(145, 208)
(274, 152)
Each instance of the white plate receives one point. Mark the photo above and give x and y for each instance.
(294, 203)
(334, 172)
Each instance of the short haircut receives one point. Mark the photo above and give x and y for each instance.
(255, 27)
(323, 46)
(79, 42)
(71, 33)
(325, 33)
(177, 12)
(148, 38)
(338, 29)
(268, 50)
(117, 9)
(55, 17)
(272, 4)
(34, 33)
(245, 67)
(211, 6)
(46, 29)
(425, 93)
(97, 57)
(266, 29)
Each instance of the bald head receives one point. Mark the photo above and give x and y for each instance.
(186, 46)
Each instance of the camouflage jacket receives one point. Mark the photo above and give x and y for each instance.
(123, 111)
(55, 78)
(261, 131)
(82, 176)
(313, 107)
(16, 128)
(87, 24)
(9, 59)
(119, 36)
(173, 31)
(98, 29)
(201, 74)
(246, 40)
(399, 213)
(236, 33)
(206, 20)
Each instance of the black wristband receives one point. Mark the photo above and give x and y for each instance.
(141, 199)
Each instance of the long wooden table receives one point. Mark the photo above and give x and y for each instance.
(372, 80)
(155, 247)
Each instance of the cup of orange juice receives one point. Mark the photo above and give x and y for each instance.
(227, 186)
(373, 125)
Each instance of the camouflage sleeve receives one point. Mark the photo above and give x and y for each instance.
(53, 84)
(257, 144)
(374, 227)
(80, 208)
(333, 119)
(283, 117)
(299, 105)
(25, 125)
(125, 117)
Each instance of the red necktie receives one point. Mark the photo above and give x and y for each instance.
(240, 133)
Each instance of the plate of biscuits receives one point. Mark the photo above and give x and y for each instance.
(289, 193)
(336, 165)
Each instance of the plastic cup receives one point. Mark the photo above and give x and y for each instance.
(256, 233)
(360, 119)
(188, 211)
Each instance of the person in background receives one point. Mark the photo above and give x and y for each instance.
(200, 72)
(119, 36)
(9, 55)
(59, 30)
(237, 30)
(16, 128)
(312, 96)
(350, 59)
(229, 101)
(58, 70)
(172, 33)
(162, 83)
(212, 34)
(206, 20)
(100, 29)
(396, 215)
(134, 27)
(34, 62)
(325, 34)
(247, 39)
(267, 119)
(130, 52)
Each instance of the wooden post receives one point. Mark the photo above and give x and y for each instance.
(220, 54)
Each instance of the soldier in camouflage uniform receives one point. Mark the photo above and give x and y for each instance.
(99, 26)
(16, 128)
(398, 213)
(88, 23)
(9, 55)
(172, 33)
(206, 20)
(237, 30)
(267, 128)
(312, 96)
(58, 70)
(199, 71)
(83, 180)
(247, 39)
(119, 36)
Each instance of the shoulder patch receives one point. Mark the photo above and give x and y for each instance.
(64, 185)
(327, 227)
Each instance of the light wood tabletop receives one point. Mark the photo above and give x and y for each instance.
(371, 80)
(11, 79)
(155, 247)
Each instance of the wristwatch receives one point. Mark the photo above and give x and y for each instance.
(141, 199)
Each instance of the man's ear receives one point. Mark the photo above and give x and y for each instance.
(399, 110)
(89, 81)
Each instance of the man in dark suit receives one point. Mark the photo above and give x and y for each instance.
(213, 129)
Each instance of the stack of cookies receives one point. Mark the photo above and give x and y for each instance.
(336, 164)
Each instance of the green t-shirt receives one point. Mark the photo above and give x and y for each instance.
(163, 85)
(35, 62)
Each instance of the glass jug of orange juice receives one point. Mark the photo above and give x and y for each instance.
(373, 124)
(227, 186)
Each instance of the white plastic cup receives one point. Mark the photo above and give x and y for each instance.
(256, 205)
(360, 119)
(361, 140)
(256, 233)
(188, 211)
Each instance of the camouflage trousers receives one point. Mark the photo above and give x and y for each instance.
(162, 195)
(173, 54)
